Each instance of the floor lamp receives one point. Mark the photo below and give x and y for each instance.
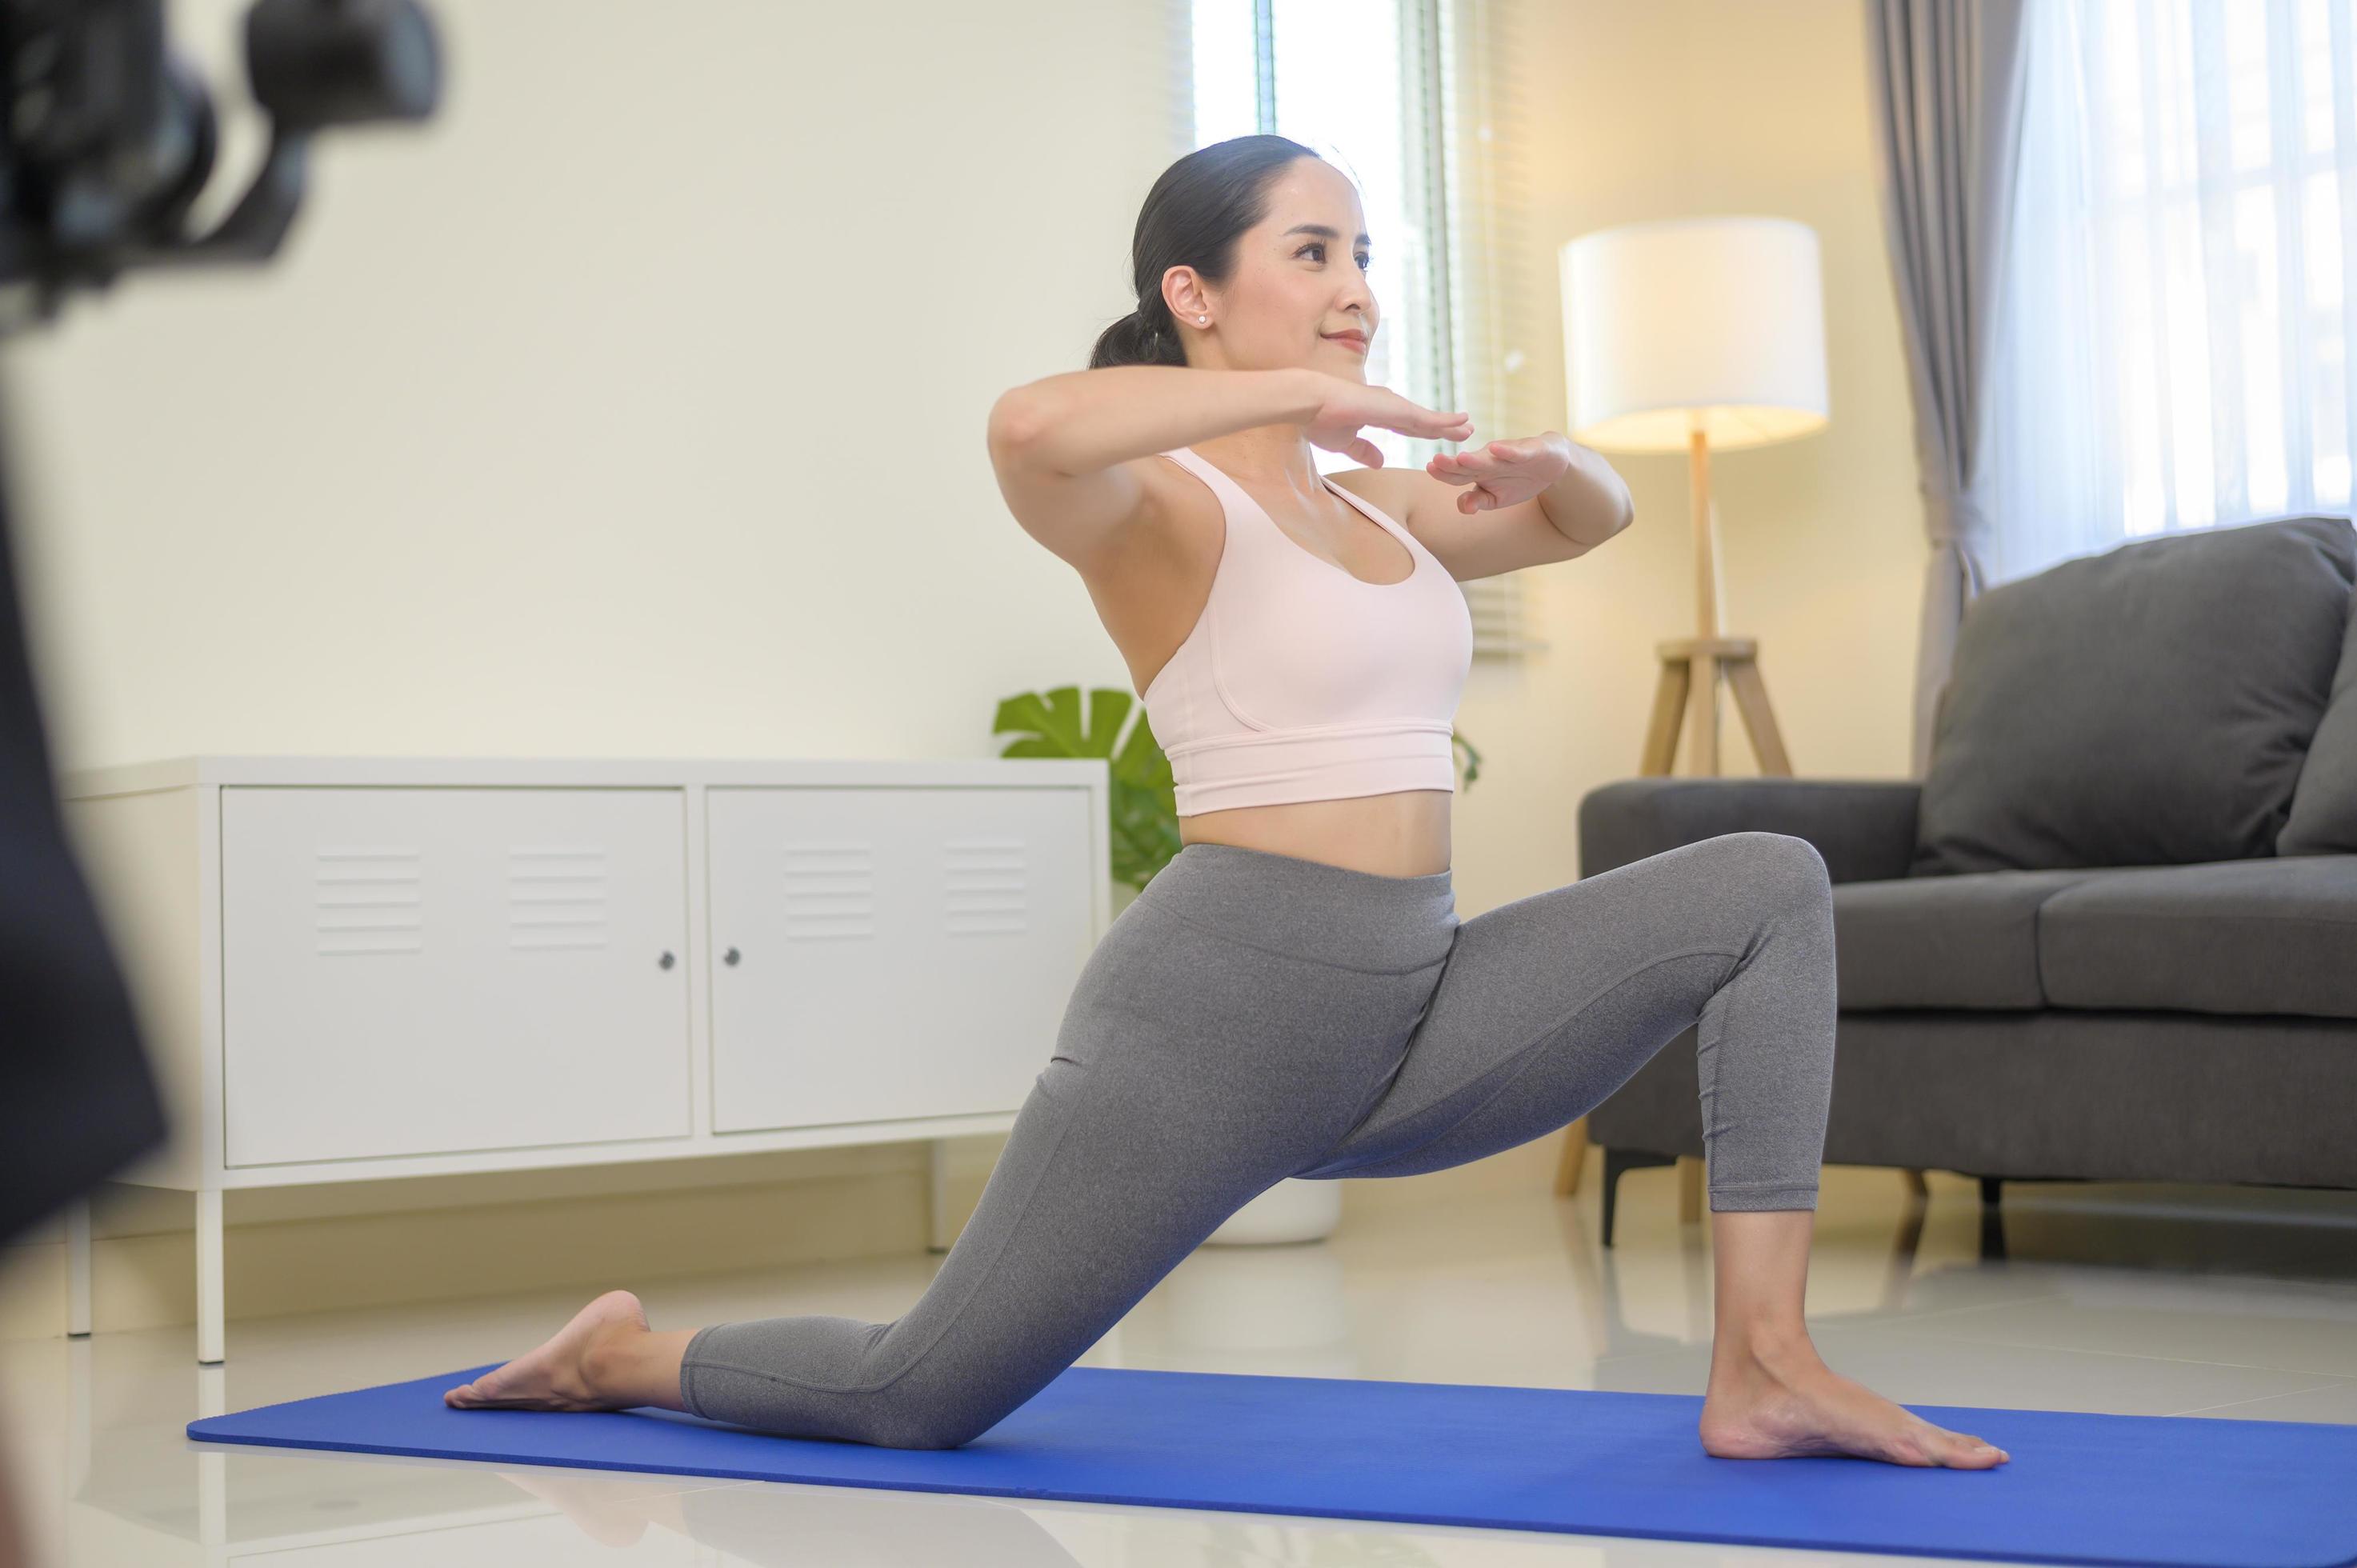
(1685, 334)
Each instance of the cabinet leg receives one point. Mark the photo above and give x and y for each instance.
(78, 1267)
(939, 1233)
(209, 1351)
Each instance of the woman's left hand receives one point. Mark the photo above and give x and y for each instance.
(1502, 472)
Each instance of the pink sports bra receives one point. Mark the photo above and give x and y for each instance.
(1301, 681)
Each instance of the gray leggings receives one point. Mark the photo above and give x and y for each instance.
(1253, 1017)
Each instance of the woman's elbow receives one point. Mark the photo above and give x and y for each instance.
(1015, 420)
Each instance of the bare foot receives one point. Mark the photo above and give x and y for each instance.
(556, 1375)
(1787, 1404)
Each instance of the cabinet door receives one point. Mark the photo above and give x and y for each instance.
(425, 971)
(898, 951)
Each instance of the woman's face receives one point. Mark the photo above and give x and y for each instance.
(1300, 278)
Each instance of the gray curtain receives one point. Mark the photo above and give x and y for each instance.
(1946, 79)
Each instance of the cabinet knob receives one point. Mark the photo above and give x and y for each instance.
(730, 957)
(666, 961)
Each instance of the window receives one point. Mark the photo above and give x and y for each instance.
(2172, 326)
(1409, 99)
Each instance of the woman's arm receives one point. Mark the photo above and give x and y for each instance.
(1081, 421)
(1506, 505)
(1072, 451)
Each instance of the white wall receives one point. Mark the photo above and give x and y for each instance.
(634, 407)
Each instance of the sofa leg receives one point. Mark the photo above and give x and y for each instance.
(1992, 1223)
(1616, 1162)
(1916, 1185)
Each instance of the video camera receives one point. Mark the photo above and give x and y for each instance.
(106, 139)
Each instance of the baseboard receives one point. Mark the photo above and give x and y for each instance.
(322, 1248)
(376, 1244)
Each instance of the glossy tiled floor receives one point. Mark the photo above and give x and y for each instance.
(2149, 1300)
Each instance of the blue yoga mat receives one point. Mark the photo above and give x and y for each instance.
(2081, 1487)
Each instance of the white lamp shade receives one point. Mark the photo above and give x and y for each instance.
(1718, 320)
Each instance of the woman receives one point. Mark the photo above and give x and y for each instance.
(1294, 995)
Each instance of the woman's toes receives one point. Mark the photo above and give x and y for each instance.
(482, 1391)
(1965, 1451)
(559, 1374)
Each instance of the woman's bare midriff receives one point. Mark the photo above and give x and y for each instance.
(1404, 834)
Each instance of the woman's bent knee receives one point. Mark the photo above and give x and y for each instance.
(1785, 865)
(933, 1428)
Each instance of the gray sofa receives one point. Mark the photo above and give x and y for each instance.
(2111, 934)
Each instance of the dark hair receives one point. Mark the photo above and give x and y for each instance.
(1191, 217)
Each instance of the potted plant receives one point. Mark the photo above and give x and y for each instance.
(1145, 833)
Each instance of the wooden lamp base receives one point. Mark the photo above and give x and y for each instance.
(1690, 670)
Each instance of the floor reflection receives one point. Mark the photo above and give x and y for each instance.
(2162, 1300)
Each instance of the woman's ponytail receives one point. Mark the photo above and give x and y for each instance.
(1136, 341)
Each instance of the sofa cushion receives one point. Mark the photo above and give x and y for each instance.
(2150, 705)
(2267, 936)
(1943, 942)
(2323, 819)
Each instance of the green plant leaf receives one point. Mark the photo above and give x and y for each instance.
(1144, 808)
(1472, 758)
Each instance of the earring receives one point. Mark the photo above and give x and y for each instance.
(1202, 320)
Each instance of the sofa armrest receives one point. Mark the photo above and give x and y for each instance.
(1864, 828)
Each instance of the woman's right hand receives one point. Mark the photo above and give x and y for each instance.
(1346, 405)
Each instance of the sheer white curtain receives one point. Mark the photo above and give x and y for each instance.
(1419, 102)
(2173, 327)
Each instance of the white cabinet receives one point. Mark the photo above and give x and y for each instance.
(418, 972)
(351, 968)
(889, 952)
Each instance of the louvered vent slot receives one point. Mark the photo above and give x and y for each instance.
(369, 900)
(986, 887)
(556, 897)
(830, 891)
